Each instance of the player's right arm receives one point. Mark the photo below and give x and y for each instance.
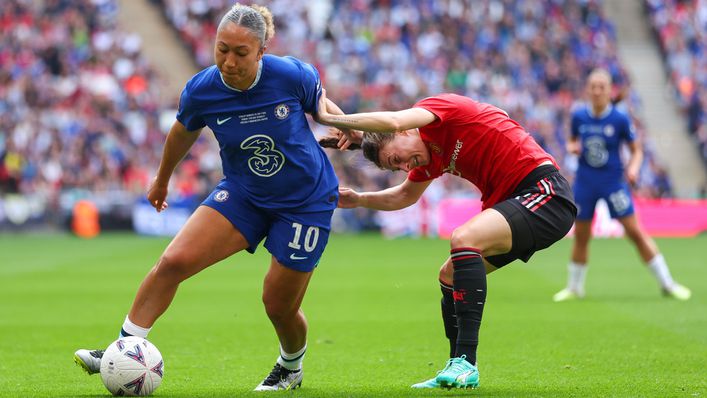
(393, 198)
(178, 142)
(376, 122)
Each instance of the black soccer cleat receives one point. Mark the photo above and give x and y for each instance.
(281, 378)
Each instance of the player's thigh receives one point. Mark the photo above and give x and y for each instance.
(206, 238)
(298, 240)
(541, 215)
(488, 231)
(251, 221)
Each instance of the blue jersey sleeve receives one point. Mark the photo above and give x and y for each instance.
(187, 113)
(628, 131)
(310, 87)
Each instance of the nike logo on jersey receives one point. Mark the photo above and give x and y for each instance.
(220, 121)
(293, 256)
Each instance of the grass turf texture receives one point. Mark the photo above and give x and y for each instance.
(373, 310)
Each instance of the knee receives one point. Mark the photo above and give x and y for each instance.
(278, 310)
(466, 237)
(446, 273)
(172, 266)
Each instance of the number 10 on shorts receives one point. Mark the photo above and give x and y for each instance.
(310, 238)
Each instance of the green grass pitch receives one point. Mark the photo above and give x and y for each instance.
(373, 311)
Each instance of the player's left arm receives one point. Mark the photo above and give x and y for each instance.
(628, 133)
(634, 162)
(394, 198)
(376, 122)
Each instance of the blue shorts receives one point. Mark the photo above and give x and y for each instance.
(296, 240)
(617, 196)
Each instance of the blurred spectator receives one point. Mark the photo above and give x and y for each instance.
(681, 27)
(79, 104)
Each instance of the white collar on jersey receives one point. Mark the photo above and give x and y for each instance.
(257, 78)
(603, 113)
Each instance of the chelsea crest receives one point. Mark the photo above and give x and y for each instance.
(282, 111)
(221, 196)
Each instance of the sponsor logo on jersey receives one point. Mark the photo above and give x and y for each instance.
(265, 161)
(595, 152)
(282, 111)
(591, 129)
(452, 168)
(221, 196)
(220, 121)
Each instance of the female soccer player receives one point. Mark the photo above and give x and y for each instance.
(597, 133)
(278, 184)
(527, 204)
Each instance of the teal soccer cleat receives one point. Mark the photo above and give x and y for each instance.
(431, 383)
(458, 373)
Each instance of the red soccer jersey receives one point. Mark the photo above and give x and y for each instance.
(480, 143)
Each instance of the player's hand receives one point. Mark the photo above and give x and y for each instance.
(349, 137)
(574, 147)
(632, 175)
(156, 195)
(346, 137)
(336, 139)
(348, 198)
(322, 112)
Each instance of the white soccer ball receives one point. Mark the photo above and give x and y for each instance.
(132, 366)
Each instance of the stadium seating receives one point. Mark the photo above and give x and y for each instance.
(80, 108)
(681, 29)
(530, 59)
(80, 111)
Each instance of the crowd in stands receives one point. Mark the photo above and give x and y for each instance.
(80, 108)
(529, 57)
(681, 28)
(79, 105)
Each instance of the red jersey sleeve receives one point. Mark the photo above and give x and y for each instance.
(441, 106)
(421, 174)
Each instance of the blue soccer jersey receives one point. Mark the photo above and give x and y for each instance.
(267, 149)
(600, 171)
(601, 137)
